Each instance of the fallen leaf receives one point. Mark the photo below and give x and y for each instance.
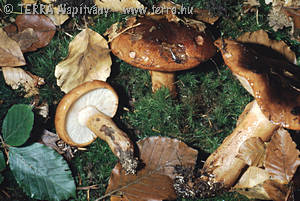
(43, 109)
(154, 181)
(250, 5)
(278, 19)
(52, 140)
(294, 13)
(42, 26)
(282, 157)
(10, 51)
(25, 39)
(261, 37)
(48, 1)
(88, 59)
(252, 152)
(17, 77)
(251, 183)
(118, 5)
(29, 1)
(205, 16)
(58, 18)
(276, 191)
(118, 198)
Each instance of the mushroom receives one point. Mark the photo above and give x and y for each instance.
(85, 113)
(274, 83)
(162, 47)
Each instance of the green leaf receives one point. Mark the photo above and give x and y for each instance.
(2, 162)
(17, 125)
(42, 172)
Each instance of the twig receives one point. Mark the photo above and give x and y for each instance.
(93, 187)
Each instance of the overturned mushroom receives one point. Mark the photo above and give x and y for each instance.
(274, 83)
(85, 113)
(162, 47)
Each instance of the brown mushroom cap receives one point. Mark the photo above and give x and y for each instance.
(159, 45)
(271, 79)
(95, 93)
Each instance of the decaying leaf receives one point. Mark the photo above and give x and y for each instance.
(251, 183)
(118, 5)
(252, 152)
(276, 191)
(294, 13)
(52, 140)
(250, 5)
(282, 157)
(155, 180)
(278, 19)
(205, 16)
(58, 18)
(43, 109)
(17, 77)
(25, 39)
(42, 26)
(88, 59)
(261, 37)
(10, 51)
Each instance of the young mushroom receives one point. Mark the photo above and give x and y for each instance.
(85, 113)
(163, 47)
(274, 83)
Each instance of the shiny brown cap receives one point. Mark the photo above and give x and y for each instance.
(269, 77)
(159, 45)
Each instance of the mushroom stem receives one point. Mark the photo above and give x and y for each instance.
(223, 164)
(104, 128)
(163, 79)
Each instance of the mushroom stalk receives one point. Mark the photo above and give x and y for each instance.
(163, 79)
(104, 128)
(223, 164)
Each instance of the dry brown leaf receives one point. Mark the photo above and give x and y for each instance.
(10, 51)
(25, 39)
(205, 16)
(57, 17)
(282, 157)
(42, 26)
(155, 180)
(261, 37)
(295, 15)
(88, 59)
(251, 183)
(17, 77)
(250, 5)
(118, 5)
(276, 191)
(118, 198)
(252, 152)
(52, 140)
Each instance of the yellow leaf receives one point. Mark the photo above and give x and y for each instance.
(282, 157)
(118, 5)
(252, 152)
(88, 59)
(57, 17)
(251, 183)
